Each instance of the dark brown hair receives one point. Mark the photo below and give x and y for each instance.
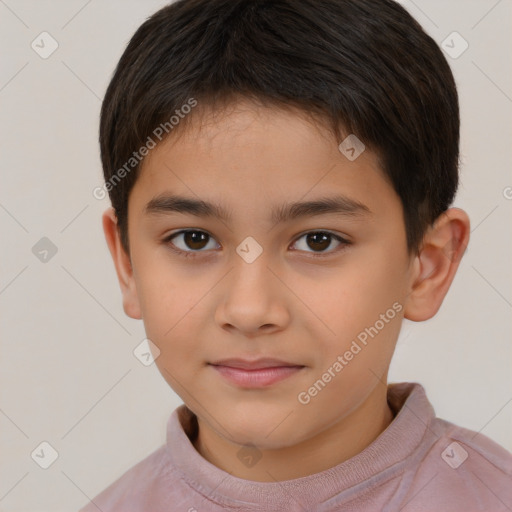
(365, 66)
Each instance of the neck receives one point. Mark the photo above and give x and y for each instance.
(327, 449)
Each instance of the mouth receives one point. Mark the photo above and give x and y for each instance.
(255, 374)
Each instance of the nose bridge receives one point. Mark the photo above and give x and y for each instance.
(251, 295)
(251, 264)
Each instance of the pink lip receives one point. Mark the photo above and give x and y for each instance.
(255, 374)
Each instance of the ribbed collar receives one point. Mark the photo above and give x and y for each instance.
(378, 462)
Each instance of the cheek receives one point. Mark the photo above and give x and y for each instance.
(173, 315)
(351, 299)
(162, 287)
(165, 297)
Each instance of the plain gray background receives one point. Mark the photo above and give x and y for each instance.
(68, 373)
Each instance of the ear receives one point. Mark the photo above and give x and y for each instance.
(435, 266)
(123, 265)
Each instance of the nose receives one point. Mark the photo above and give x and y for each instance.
(253, 299)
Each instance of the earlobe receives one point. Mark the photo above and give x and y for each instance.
(122, 265)
(436, 264)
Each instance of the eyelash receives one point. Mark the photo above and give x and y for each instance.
(194, 254)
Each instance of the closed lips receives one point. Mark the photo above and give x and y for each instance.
(258, 364)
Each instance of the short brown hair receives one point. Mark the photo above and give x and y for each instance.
(366, 66)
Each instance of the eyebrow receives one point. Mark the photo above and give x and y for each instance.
(340, 205)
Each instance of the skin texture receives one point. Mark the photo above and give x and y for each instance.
(288, 303)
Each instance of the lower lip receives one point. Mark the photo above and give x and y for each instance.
(257, 378)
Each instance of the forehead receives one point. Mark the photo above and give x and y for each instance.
(249, 156)
(242, 128)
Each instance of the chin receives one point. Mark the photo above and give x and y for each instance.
(261, 442)
(260, 432)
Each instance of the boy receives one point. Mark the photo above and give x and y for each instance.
(281, 174)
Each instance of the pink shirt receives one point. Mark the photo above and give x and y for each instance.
(419, 463)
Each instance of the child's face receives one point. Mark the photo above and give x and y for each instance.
(287, 303)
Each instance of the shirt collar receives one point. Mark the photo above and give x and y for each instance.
(410, 426)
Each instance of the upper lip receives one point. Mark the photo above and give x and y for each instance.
(256, 364)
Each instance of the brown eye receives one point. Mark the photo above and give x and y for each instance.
(320, 241)
(195, 239)
(189, 241)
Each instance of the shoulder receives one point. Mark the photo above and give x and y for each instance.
(138, 488)
(462, 470)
